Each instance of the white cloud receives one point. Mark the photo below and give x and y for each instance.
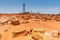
(50, 10)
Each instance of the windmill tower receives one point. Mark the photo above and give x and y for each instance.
(23, 7)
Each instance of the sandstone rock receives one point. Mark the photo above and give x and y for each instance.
(59, 34)
(15, 22)
(0, 36)
(39, 30)
(37, 37)
(4, 19)
(20, 33)
(55, 33)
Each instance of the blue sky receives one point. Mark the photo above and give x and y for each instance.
(43, 6)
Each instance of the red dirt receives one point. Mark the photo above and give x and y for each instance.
(38, 21)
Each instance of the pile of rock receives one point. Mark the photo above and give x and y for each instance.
(14, 20)
(37, 34)
(4, 19)
(40, 34)
(9, 20)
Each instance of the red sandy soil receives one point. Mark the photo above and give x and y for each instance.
(32, 23)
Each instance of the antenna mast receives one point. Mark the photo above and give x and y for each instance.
(23, 7)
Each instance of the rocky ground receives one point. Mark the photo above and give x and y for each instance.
(10, 23)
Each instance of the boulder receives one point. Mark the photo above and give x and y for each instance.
(55, 33)
(4, 19)
(15, 22)
(20, 33)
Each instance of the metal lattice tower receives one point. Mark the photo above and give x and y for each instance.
(23, 7)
